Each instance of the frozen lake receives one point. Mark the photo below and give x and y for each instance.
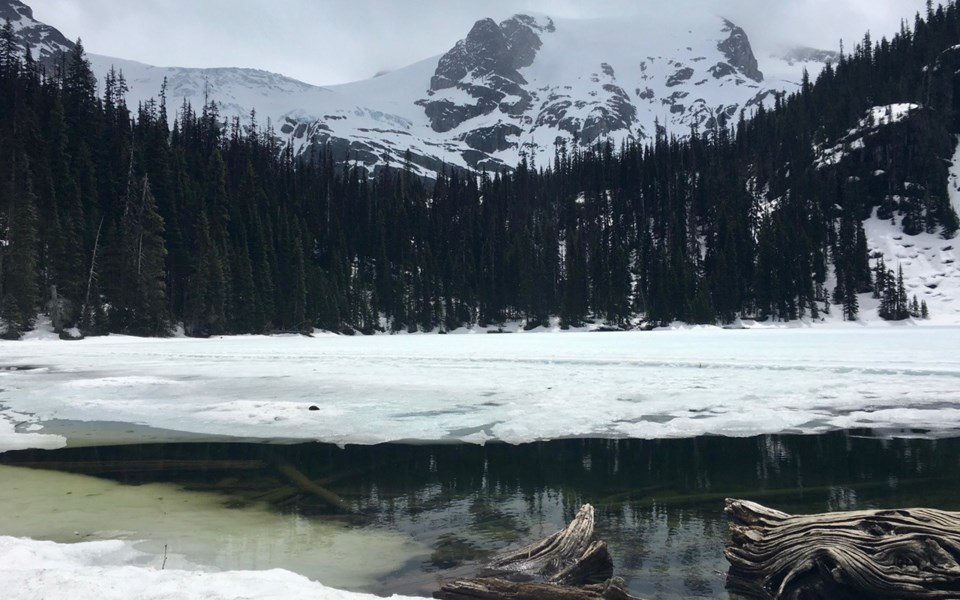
(501, 438)
(479, 388)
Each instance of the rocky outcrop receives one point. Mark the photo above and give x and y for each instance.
(492, 139)
(739, 53)
(681, 76)
(486, 66)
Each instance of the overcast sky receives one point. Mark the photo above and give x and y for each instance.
(334, 41)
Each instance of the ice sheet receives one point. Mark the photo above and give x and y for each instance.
(477, 388)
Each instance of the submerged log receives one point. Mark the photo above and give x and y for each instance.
(94, 467)
(297, 478)
(568, 565)
(908, 554)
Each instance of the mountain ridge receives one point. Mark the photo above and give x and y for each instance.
(499, 94)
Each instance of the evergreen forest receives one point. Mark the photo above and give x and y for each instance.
(138, 219)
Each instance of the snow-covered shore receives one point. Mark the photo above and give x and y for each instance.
(40, 570)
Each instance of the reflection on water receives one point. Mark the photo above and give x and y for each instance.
(659, 503)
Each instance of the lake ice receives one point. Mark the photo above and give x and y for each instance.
(478, 388)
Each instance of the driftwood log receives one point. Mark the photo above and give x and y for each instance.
(500, 589)
(909, 553)
(568, 565)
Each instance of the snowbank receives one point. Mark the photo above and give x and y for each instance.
(32, 569)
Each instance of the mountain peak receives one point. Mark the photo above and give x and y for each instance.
(739, 53)
(45, 43)
(492, 49)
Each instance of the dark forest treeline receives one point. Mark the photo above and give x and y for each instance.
(116, 219)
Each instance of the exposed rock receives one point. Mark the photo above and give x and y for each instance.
(444, 115)
(739, 53)
(522, 39)
(492, 139)
(486, 65)
(721, 70)
(680, 76)
(491, 49)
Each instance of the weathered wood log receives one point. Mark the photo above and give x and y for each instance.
(570, 556)
(568, 565)
(500, 589)
(908, 553)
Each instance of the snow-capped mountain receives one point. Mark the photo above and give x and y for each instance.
(519, 87)
(531, 83)
(45, 42)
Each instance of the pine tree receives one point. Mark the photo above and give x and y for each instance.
(9, 50)
(144, 255)
(901, 306)
(19, 293)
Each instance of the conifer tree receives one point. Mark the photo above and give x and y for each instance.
(19, 293)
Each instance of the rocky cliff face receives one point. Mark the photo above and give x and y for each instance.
(486, 67)
(736, 48)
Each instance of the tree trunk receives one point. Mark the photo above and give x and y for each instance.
(909, 553)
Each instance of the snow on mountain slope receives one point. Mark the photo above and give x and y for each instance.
(518, 87)
(930, 267)
(531, 82)
(236, 91)
(588, 80)
(45, 42)
(929, 261)
(929, 264)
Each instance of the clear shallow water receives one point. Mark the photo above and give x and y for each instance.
(430, 512)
